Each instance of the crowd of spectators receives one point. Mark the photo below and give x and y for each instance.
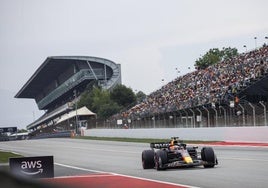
(217, 83)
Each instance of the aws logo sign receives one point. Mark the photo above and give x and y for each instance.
(33, 167)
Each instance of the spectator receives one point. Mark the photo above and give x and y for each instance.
(218, 82)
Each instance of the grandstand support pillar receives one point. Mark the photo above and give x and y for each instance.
(92, 70)
(216, 116)
(193, 116)
(264, 113)
(200, 116)
(105, 74)
(253, 113)
(224, 113)
(76, 116)
(208, 118)
(243, 114)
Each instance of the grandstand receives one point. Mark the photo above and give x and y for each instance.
(56, 86)
(233, 92)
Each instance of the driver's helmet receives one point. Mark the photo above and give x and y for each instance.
(173, 142)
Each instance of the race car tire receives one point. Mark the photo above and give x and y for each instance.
(208, 156)
(160, 160)
(147, 158)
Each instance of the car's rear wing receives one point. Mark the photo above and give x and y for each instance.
(159, 145)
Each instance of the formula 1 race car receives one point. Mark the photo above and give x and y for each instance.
(175, 153)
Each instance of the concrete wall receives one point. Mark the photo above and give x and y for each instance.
(244, 134)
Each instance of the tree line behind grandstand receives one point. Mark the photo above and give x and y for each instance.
(107, 103)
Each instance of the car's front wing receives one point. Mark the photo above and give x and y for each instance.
(184, 164)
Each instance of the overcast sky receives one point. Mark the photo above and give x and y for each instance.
(149, 38)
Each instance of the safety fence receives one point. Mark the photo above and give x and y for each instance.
(242, 114)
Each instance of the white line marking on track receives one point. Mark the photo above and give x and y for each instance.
(86, 176)
(78, 168)
(115, 174)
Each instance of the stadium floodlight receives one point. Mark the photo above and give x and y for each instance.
(163, 81)
(245, 46)
(177, 71)
(255, 38)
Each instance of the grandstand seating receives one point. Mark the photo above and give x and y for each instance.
(214, 86)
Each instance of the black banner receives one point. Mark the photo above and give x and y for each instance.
(32, 167)
(8, 129)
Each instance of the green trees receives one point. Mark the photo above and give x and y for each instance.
(106, 103)
(140, 96)
(123, 96)
(215, 55)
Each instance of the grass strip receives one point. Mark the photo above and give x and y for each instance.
(4, 156)
(140, 140)
(122, 139)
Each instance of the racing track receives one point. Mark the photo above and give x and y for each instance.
(238, 166)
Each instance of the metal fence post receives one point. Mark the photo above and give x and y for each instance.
(216, 116)
(243, 114)
(208, 115)
(264, 113)
(186, 117)
(224, 113)
(193, 116)
(253, 111)
(200, 116)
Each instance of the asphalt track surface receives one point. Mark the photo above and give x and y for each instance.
(80, 161)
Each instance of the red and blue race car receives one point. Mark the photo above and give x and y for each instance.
(175, 153)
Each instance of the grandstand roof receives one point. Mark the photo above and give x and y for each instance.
(49, 116)
(257, 91)
(84, 111)
(49, 70)
(63, 112)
